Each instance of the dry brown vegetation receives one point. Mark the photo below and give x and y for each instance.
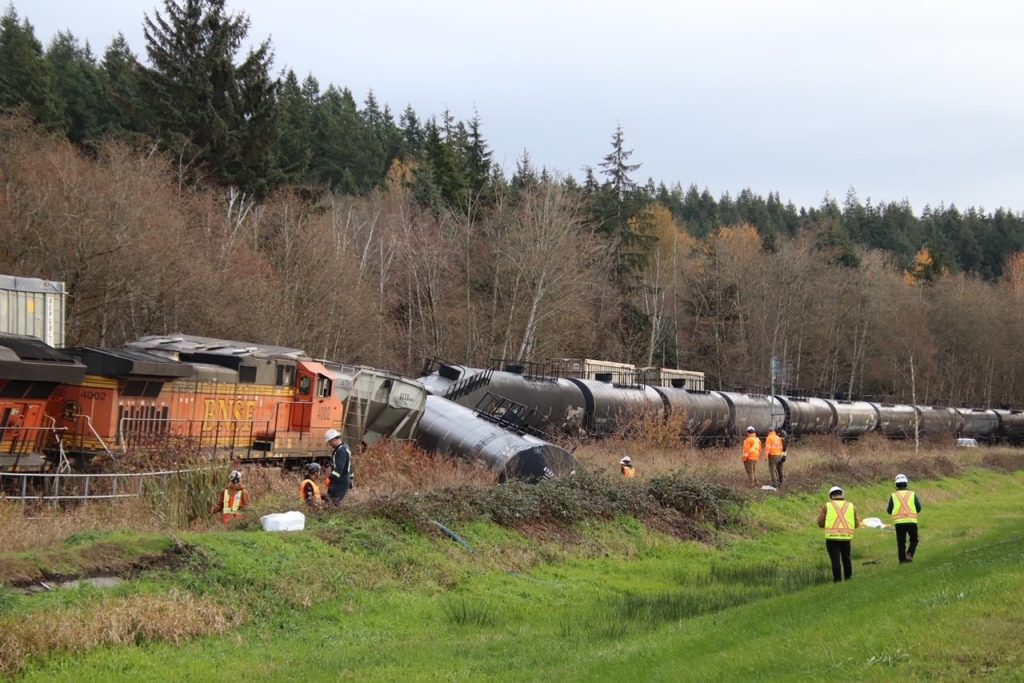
(174, 618)
(378, 279)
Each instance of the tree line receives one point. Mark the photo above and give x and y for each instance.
(197, 192)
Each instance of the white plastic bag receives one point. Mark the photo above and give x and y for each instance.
(874, 523)
(284, 521)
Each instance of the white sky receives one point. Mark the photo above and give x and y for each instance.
(915, 99)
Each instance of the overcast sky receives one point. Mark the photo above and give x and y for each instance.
(914, 99)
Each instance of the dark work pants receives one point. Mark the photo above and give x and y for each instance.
(839, 553)
(902, 532)
(338, 489)
(775, 469)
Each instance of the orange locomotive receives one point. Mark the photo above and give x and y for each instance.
(229, 399)
(30, 371)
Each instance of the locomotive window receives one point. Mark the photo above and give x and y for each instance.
(285, 375)
(152, 389)
(41, 390)
(323, 387)
(247, 374)
(16, 388)
(134, 387)
(304, 386)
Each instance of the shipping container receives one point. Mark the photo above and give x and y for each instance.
(33, 307)
(671, 377)
(588, 368)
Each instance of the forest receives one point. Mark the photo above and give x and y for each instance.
(195, 190)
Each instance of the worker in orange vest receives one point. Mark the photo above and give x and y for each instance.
(626, 468)
(309, 490)
(234, 500)
(774, 449)
(751, 454)
(839, 519)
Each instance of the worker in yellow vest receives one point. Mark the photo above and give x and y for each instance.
(626, 468)
(233, 501)
(839, 519)
(751, 454)
(904, 506)
(309, 490)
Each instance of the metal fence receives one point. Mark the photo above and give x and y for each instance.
(58, 487)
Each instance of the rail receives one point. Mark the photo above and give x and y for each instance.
(57, 487)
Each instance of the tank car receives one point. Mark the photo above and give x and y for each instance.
(896, 421)
(1011, 425)
(981, 425)
(763, 413)
(853, 418)
(706, 413)
(609, 406)
(807, 415)
(937, 422)
(449, 428)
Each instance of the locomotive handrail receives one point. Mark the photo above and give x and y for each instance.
(57, 477)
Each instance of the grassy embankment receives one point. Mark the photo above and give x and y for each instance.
(376, 595)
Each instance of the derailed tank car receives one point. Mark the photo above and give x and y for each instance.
(449, 428)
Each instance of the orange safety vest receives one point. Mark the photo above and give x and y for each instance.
(628, 471)
(904, 510)
(752, 448)
(773, 445)
(302, 491)
(840, 520)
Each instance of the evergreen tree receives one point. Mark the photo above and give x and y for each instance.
(295, 143)
(77, 81)
(206, 106)
(478, 158)
(442, 158)
(347, 157)
(123, 107)
(412, 132)
(618, 204)
(25, 76)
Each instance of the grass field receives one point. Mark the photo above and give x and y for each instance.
(368, 598)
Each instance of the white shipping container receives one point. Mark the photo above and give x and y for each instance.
(663, 377)
(589, 368)
(33, 307)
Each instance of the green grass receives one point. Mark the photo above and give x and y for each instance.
(366, 599)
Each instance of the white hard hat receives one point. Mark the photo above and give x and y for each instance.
(332, 434)
(902, 479)
(625, 460)
(236, 477)
(751, 429)
(834, 490)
